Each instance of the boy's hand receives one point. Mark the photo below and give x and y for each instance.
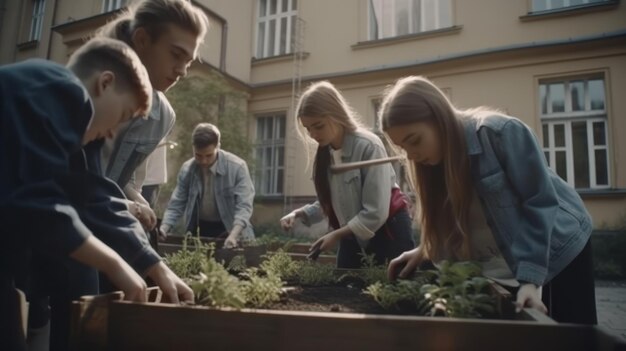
(126, 279)
(173, 288)
(287, 222)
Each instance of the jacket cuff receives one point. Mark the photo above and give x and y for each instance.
(143, 260)
(531, 273)
(359, 230)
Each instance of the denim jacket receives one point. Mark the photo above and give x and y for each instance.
(135, 142)
(538, 221)
(233, 189)
(360, 196)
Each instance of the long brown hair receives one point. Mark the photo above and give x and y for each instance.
(154, 16)
(322, 99)
(444, 190)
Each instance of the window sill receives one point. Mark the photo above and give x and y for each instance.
(31, 44)
(274, 59)
(407, 37)
(569, 11)
(602, 193)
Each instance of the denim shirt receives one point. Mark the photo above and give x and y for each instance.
(136, 141)
(538, 221)
(233, 189)
(363, 194)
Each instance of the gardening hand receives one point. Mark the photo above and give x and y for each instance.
(287, 222)
(528, 296)
(325, 243)
(164, 231)
(230, 242)
(126, 279)
(144, 215)
(403, 265)
(174, 289)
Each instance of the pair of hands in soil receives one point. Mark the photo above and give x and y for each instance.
(528, 295)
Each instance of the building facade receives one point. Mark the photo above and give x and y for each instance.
(558, 65)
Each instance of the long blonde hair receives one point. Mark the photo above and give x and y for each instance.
(322, 99)
(444, 190)
(154, 16)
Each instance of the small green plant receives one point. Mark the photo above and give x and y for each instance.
(260, 290)
(215, 287)
(313, 273)
(237, 264)
(188, 261)
(372, 273)
(280, 264)
(453, 290)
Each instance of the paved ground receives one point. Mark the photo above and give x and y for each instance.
(611, 306)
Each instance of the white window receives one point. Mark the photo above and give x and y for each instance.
(546, 5)
(276, 27)
(36, 24)
(391, 18)
(112, 5)
(574, 123)
(270, 154)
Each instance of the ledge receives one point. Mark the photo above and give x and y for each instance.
(407, 37)
(570, 11)
(28, 44)
(274, 59)
(603, 193)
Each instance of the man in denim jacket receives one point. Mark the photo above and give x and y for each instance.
(214, 193)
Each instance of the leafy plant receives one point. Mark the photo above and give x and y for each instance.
(453, 290)
(313, 273)
(215, 287)
(237, 264)
(188, 261)
(260, 290)
(280, 264)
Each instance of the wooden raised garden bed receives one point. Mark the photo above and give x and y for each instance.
(106, 323)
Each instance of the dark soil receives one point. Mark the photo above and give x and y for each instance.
(327, 299)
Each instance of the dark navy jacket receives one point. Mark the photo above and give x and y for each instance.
(48, 197)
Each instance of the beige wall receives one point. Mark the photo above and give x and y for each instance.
(507, 79)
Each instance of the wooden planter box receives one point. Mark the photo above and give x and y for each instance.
(105, 322)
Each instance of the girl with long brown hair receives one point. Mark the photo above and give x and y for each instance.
(364, 206)
(486, 194)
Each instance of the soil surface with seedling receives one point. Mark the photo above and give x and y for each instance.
(331, 298)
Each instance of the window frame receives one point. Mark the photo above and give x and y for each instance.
(291, 21)
(36, 24)
(551, 119)
(566, 5)
(112, 5)
(411, 3)
(276, 187)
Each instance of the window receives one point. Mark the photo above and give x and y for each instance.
(276, 27)
(37, 20)
(391, 18)
(112, 5)
(270, 155)
(547, 5)
(574, 123)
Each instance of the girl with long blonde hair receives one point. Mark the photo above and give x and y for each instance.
(487, 194)
(364, 207)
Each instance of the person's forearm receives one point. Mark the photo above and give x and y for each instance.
(96, 254)
(133, 195)
(237, 228)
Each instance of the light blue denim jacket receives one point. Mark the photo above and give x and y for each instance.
(232, 187)
(363, 195)
(134, 143)
(539, 222)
